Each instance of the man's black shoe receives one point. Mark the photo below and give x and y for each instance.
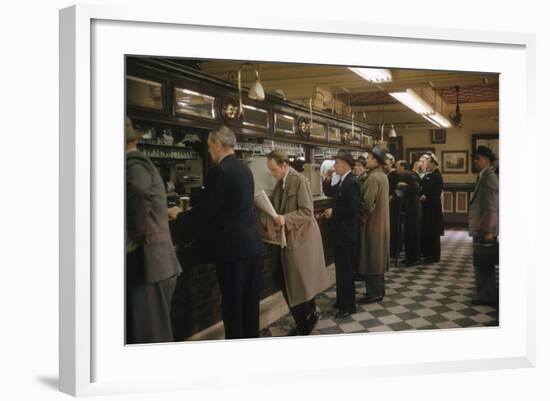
(370, 300)
(344, 313)
(312, 321)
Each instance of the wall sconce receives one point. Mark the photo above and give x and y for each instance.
(392, 133)
(256, 91)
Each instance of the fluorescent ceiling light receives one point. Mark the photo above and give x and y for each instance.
(413, 101)
(373, 74)
(438, 120)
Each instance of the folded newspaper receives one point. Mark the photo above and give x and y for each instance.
(271, 234)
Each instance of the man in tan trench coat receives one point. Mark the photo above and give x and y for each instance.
(374, 248)
(300, 267)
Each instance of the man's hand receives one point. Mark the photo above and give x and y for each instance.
(329, 173)
(423, 198)
(279, 220)
(173, 212)
(327, 213)
(489, 237)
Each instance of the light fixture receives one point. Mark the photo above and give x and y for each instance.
(413, 101)
(373, 74)
(438, 120)
(392, 133)
(417, 104)
(256, 91)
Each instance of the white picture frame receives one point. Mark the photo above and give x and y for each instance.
(93, 358)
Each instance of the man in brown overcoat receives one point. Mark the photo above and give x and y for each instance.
(374, 248)
(300, 267)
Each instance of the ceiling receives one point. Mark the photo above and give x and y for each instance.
(477, 91)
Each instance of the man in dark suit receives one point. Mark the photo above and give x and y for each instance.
(345, 217)
(151, 263)
(483, 227)
(408, 189)
(432, 224)
(395, 205)
(225, 210)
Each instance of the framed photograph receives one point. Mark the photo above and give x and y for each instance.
(454, 162)
(438, 136)
(94, 360)
(489, 140)
(413, 154)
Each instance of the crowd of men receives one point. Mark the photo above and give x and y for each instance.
(378, 206)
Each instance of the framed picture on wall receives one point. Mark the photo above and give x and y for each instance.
(454, 162)
(438, 136)
(489, 140)
(413, 154)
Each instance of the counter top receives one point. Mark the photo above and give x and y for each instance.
(319, 198)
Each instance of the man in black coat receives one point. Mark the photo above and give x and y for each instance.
(225, 211)
(408, 189)
(345, 218)
(395, 206)
(432, 214)
(151, 263)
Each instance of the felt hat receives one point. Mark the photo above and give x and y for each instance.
(379, 154)
(345, 156)
(361, 159)
(486, 152)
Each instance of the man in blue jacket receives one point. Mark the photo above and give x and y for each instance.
(225, 211)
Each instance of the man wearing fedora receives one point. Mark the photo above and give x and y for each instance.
(483, 227)
(151, 263)
(395, 204)
(344, 215)
(374, 249)
(360, 171)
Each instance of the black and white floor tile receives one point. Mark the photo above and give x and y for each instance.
(423, 297)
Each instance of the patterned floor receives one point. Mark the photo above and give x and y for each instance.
(437, 296)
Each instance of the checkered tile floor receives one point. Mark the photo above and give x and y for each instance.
(437, 296)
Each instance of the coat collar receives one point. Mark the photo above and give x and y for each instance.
(280, 204)
(482, 174)
(289, 179)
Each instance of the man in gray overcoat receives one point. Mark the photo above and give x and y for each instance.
(151, 263)
(483, 227)
(374, 247)
(300, 267)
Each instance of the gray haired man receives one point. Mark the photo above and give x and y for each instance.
(225, 214)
